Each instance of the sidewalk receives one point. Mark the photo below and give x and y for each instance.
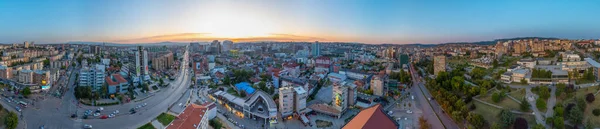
(157, 124)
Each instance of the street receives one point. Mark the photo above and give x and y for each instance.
(431, 109)
(55, 112)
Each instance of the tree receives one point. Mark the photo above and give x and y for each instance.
(590, 98)
(524, 105)
(496, 126)
(538, 126)
(11, 121)
(544, 92)
(559, 111)
(215, 124)
(496, 97)
(243, 94)
(540, 104)
(476, 120)
(507, 118)
(596, 112)
(227, 80)
(423, 123)
(560, 88)
(581, 104)
(559, 122)
(575, 115)
(495, 63)
(46, 62)
(26, 91)
(520, 123)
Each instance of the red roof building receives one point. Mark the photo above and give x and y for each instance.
(371, 118)
(193, 117)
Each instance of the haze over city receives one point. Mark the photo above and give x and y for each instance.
(397, 21)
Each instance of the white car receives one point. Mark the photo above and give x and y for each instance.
(111, 115)
(390, 112)
(409, 111)
(101, 108)
(116, 112)
(86, 126)
(96, 114)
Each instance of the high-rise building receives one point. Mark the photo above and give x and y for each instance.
(137, 63)
(25, 76)
(93, 77)
(227, 45)
(340, 97)
(292, 99)
(316, 49)
(377, 85)
(5, 72)
(439, 64)
(286, 101)
(163, 62)
(26, 44)
(145, 62)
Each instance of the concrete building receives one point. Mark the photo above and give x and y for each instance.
(439, 64)
(93, 76)
(286, 101)
(5, 72)
(25, 76)
(340, 97)
(377, 85)
(116, 84)
(300, 96)
(316, 49)
(41, 77)
(163, 62)
(227, 45)
(323, 64)
(194, 117)
(528, 63)
(571, 57)
(595, 66)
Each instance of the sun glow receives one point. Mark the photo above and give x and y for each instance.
(232, 22)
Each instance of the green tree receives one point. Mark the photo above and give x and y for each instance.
(559, 111)
(575, 115)
(524, 105)
(496, 97)
(496, 126)
(46, 62)
(476, 120)
(540, 104)
(26, 91)
(11, 121)
(560, 88)
(507, 118)
(538, 126)
(544, 92)
(559, 122)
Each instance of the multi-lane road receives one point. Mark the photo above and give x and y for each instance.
(55, 113)
(431, 109)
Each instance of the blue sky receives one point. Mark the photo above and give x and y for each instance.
(394, 21)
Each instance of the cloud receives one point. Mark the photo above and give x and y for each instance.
(195, 37)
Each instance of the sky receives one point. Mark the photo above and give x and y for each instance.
(381, 21)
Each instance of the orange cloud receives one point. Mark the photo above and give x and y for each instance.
(195, 37)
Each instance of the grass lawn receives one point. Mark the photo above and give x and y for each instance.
(489, 113)
(506, 103)
(147, 126)
(580, 93)
(588, 115)
(518, 94)
(323, 124)
(165, 118)
(3, 115)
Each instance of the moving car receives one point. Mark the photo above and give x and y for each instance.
(409, 111)
(116, 112)
(103, 117)
(96, 114)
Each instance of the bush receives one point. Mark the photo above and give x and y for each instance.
(11, 120)
(596, 112)
(540, 104)
(590, 97)
(524, 105)
(496, 97)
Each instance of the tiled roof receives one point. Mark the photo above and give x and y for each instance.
(192, 115)
(371, 118)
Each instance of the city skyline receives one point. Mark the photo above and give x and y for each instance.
(375, 22)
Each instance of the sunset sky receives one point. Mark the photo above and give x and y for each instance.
(394, 21)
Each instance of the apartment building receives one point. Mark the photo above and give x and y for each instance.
(163, 62)
(439, 64)
(377, 85)
(93, 76)
(286, 101)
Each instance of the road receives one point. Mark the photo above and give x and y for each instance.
(430, 108)
(55, 112)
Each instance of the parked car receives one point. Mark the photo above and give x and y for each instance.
(100, 109)
(73, 115)
(18, 108)
(111, 115)
(103, 117)
(116, 112)
(86, 126)
(96, 114)
(144, 104)
(409, 111)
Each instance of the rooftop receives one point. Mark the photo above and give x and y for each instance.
(190, 118)
(371, 118)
